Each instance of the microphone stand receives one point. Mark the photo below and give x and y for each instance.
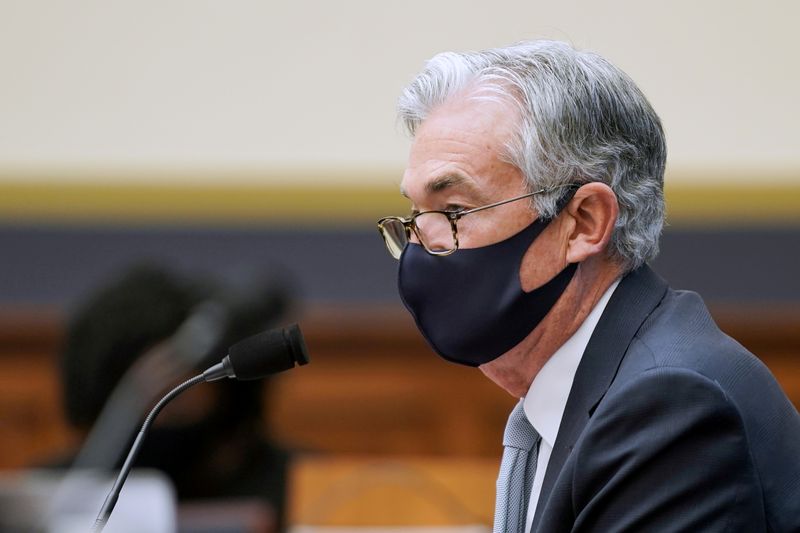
(252, 358)
(113, 495)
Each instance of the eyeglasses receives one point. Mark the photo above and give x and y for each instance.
(437, 231)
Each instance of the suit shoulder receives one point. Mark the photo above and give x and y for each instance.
(680, 357)
(681, 333)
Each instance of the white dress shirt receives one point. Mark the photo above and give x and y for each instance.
(547, 396)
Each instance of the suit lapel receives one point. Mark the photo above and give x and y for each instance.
(636, 296)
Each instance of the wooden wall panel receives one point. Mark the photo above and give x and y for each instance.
(347, 491)
(373, 387)
(32, 425)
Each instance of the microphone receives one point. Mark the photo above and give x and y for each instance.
(258, 356)
(255, 357)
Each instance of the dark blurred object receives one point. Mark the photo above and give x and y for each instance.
(213, 445)
(240, 517)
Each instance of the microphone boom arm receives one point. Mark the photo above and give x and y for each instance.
(113, 495)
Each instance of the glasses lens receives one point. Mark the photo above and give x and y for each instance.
(436, 232)
(394, 235)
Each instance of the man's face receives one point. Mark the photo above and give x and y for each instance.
(455, 162)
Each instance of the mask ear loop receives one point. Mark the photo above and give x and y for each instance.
(566, 198)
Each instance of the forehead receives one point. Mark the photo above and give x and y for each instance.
(461, 144)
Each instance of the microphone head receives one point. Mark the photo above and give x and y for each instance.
(268, 352)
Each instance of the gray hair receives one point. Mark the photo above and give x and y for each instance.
(581, 120)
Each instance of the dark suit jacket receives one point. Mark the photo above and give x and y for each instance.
(671, 426)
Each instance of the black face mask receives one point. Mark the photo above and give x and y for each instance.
(470, 306)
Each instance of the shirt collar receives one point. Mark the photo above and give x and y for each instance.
(547, 396)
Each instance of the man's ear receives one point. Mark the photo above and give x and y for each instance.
(594, 212)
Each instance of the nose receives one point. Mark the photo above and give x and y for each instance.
(439, 243)
(435, 231)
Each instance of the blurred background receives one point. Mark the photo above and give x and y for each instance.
(244, 139)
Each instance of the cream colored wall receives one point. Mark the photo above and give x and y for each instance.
(235, 90)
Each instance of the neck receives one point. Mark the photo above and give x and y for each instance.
(516, 369)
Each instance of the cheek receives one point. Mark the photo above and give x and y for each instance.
(543, 260)
(483, 229)
(476, 231)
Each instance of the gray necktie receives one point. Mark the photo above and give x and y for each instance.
(514, 483)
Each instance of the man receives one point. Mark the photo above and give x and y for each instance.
(536, 179)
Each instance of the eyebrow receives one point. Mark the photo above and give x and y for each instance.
(444, 182)
(447, 181)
